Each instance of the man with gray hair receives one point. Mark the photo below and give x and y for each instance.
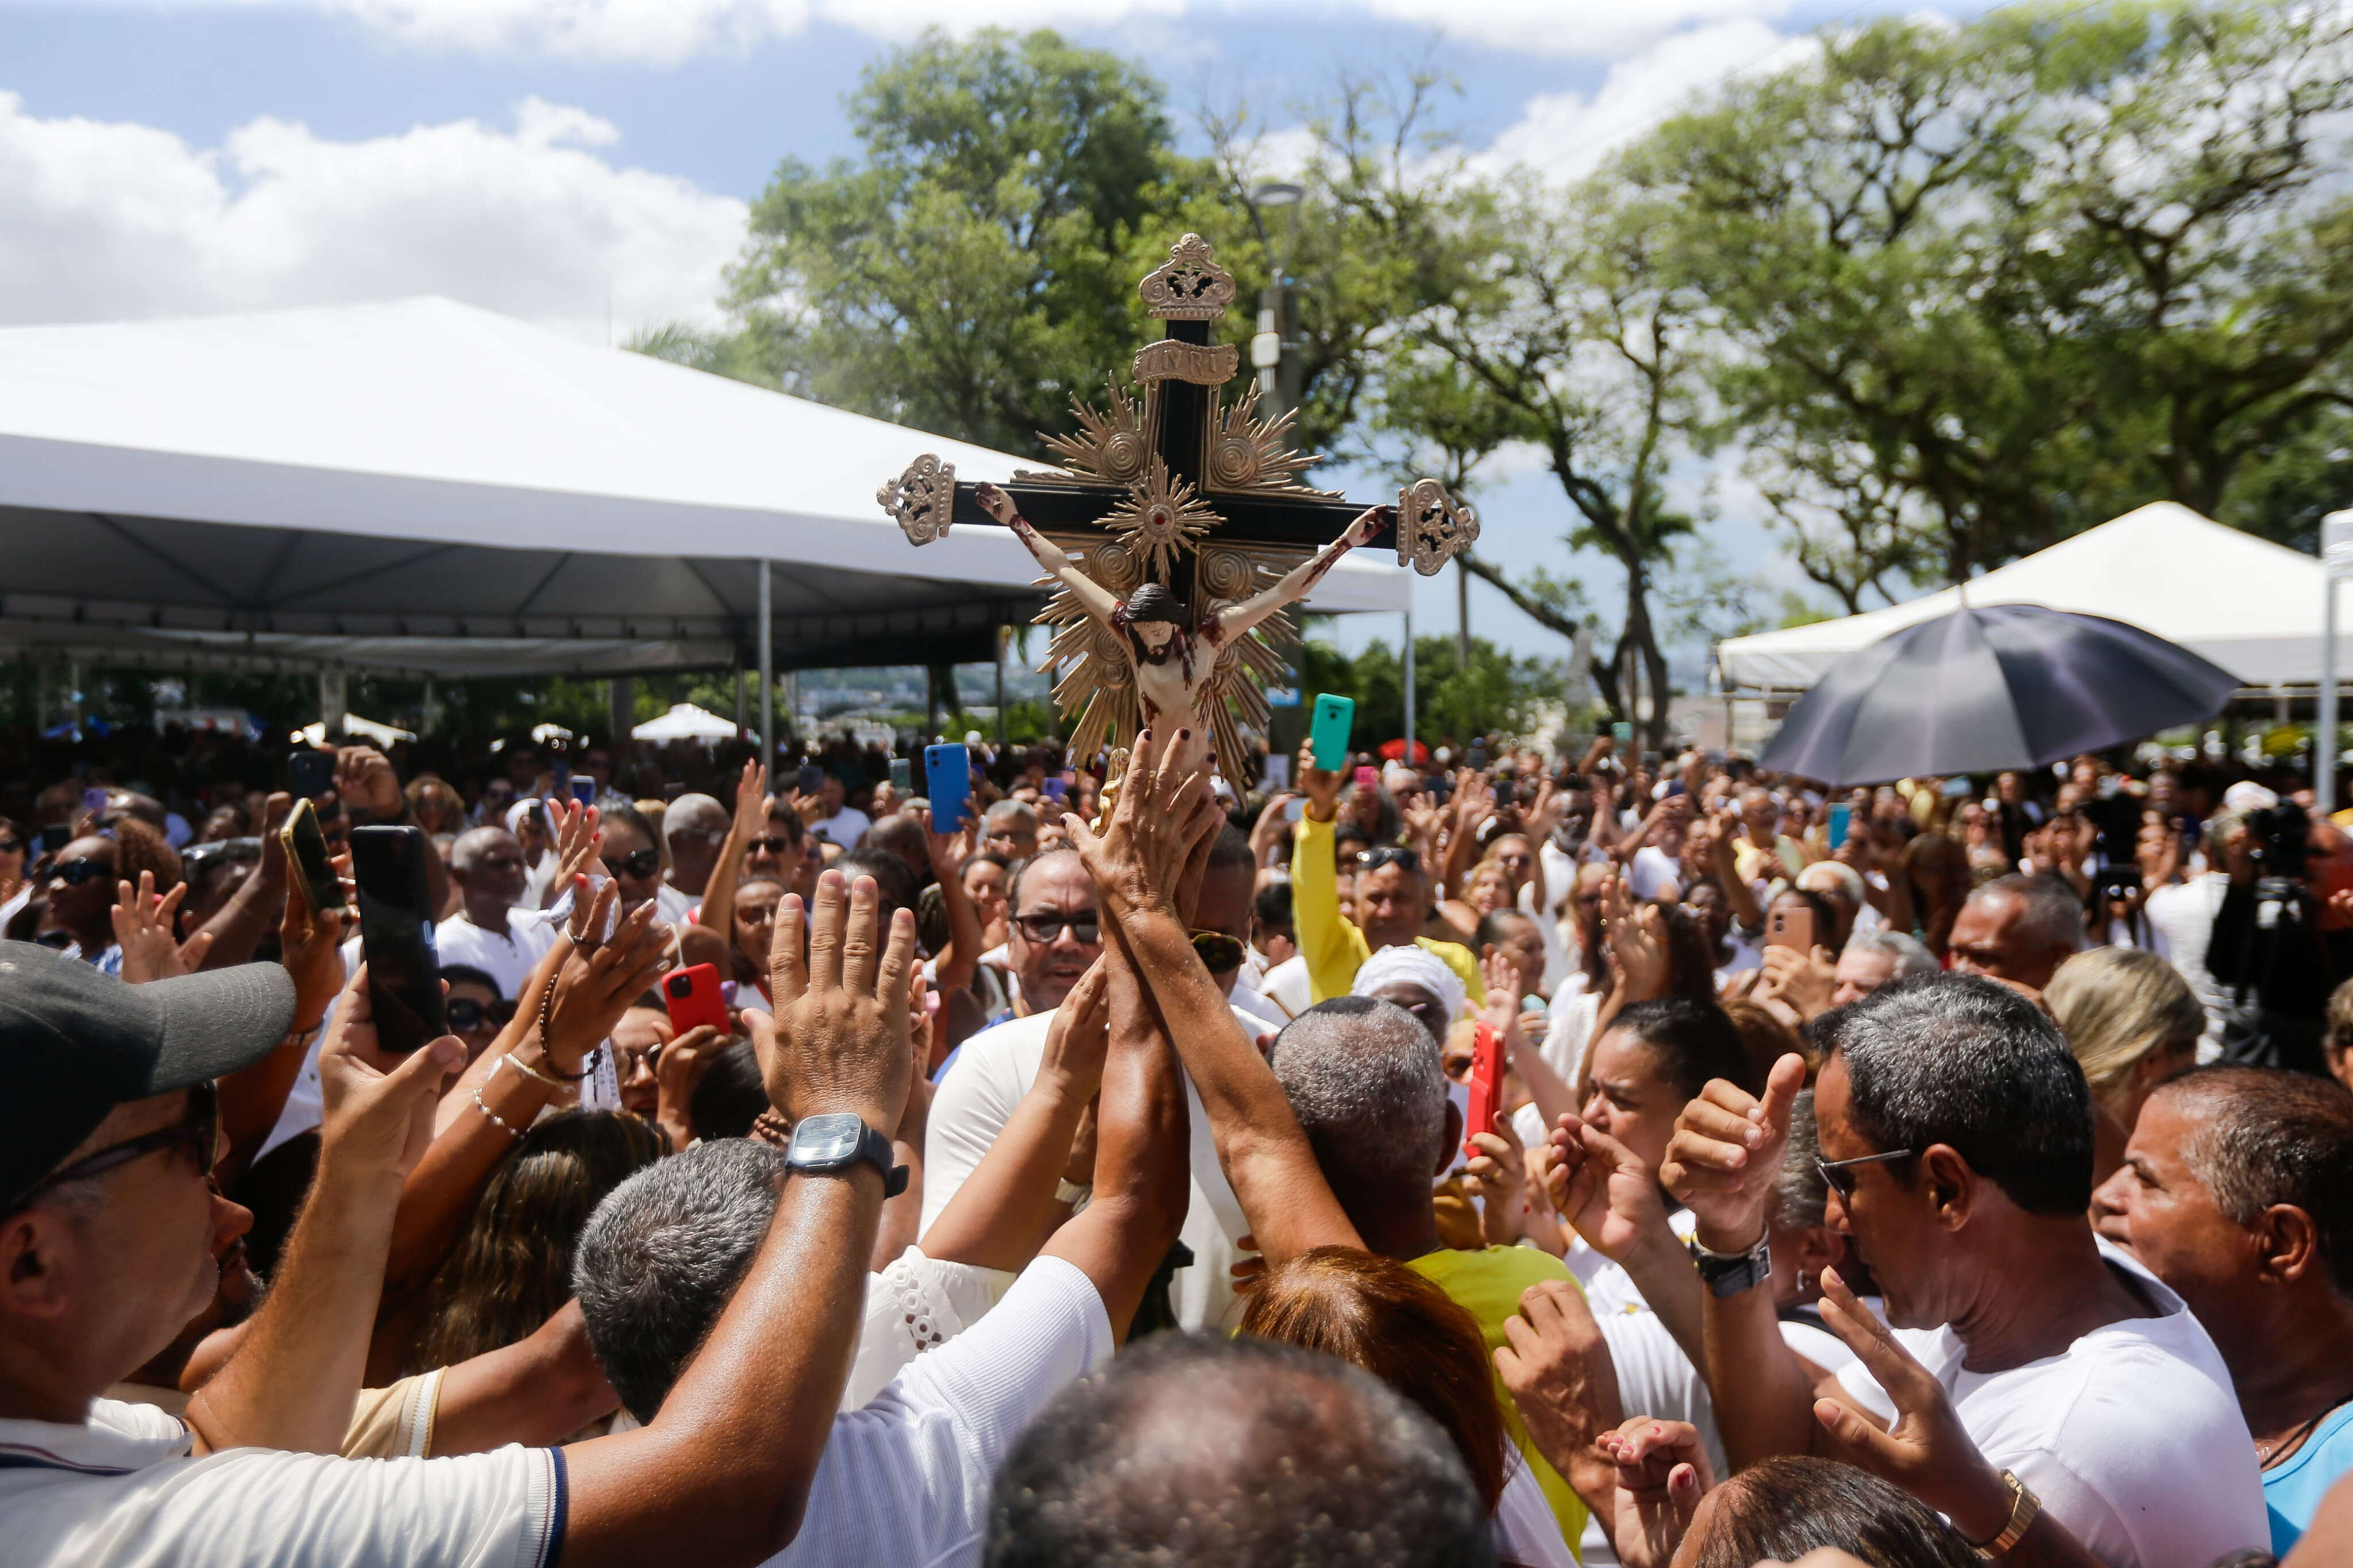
(1011, 830)
(1871, 959)
(1956, 1136)
(1364, 1080)
(492, 932)
(1165, 1456)
(2019, 929)
(694, 828)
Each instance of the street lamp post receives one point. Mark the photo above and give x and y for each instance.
(1272, 348)
(2336, 563)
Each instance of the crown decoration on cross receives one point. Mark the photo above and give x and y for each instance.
(1192, 531)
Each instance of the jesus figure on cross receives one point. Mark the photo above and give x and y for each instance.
(1171, 662)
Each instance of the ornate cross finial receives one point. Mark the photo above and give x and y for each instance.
(1189, 287)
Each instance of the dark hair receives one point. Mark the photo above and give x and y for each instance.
(139, 847)
(730, 1095)
(1377, 1313)
(1826, 916)
(1966, 1061)
(894, 883)
(1271, 906)
(1114, 1471)
(1490, 933)
(1764, 1037)
(1232, 848)
(662, 1255)
(2273, 1136)
(512, 1269)
(467, 974)
(1784, 1507)
(1152, 602)
(1693, 1041)
(1691, 965)
(619, 808)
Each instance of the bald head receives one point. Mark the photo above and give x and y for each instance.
(2019, 928)
(487, 865)
(694, 828)
(1165, 1457)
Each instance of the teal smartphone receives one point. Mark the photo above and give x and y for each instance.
(1327, 733)
(1621, 732)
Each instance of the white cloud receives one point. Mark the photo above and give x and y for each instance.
(664, 32)
(1566, 134)
(109, 220)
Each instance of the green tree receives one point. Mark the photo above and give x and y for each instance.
(1495, 693)
(1986, 286)
(974, 269)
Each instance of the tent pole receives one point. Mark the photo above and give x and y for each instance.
(1002, 633)
(1409, 687)
(767, 674)
(739, 701)
(2336, 541)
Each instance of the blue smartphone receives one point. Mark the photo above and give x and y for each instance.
(584, 790)
(1327, 733)
(947, 784)
(1840, 814)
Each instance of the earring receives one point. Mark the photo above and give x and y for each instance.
(1801, 1281)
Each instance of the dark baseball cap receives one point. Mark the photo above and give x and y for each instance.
(74, 1044)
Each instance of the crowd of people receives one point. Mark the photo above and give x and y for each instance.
(1594, 1157)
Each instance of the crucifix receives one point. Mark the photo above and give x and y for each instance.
(1191, 532)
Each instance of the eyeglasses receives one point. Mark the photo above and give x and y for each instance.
(198, 1132)
(1388, 855)
(1085, 926)
(773, 844)
(74, 873)
(638, 863)
(1218, 950)
(465, 1015)
(1839, 1174)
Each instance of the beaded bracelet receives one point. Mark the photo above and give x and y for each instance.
(546, 1011)
(496, 1120)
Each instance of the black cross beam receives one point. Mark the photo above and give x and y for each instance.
(1184, 416)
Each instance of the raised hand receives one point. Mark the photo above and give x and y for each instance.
(1726, 1153)
(751, 795)
(377, 1115)
(1556, 1367)
(1927, 1452)
(1663, 1471)
(947, 850)
(838, 1040)
(1638, 950)
(677, 1070)
(1604, 1191)
(1497, 1175)
(143, 928)
(579, 841)
(1806, 982)
(594, 985)
(1080, 1035)
(1321, 786)
(1141, 858)
(363, 778)
(995, 502)
(311, 943)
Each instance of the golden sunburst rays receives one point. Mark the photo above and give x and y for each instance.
(1249, 454)
(1159, 520)
(1109, 448)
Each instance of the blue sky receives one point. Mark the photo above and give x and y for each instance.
(575, 160)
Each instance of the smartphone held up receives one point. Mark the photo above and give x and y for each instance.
(397, 937)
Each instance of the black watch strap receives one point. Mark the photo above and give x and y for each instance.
(871, 1146)
(1729, 1273)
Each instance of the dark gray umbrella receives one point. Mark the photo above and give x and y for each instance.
(1982, 689)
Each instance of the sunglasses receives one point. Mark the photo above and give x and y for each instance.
(1388, 855)
(773, 844)
(11, 845)
(465, 1015)
(198, 1132)
(74, 873)
(1085, 927)
(639, 863)
(1839, 1174)
(1218, 952)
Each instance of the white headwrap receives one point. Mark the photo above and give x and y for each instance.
(516, 813)
(1415, 966)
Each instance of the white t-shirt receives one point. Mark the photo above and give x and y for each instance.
(845, 827)
(1524, 1527)
(2183, 913)
(1288, 987)
(507, 958)
(122, 1490)
(2132, 1437)
(1569, 1031)
(1653, 870)
(971, 1105)
(904, 1482)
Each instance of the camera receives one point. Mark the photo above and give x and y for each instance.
(2281, 836)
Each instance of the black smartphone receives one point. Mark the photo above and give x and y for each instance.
(306, 851)
(55, 837)
(397, 936)
(808, 779)
(309, 773)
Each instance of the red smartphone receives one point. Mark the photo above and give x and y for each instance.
(692, 996)
(1485, 1082)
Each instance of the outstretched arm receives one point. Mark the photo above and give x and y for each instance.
(1097, 600)
(1236, 619)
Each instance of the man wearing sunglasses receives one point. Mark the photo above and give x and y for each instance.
(1956, 1138)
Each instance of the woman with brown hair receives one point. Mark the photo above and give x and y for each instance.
(1377, 1314)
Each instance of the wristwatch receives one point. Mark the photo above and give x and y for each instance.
(823, 1145)
(2024, 1508)
(1730, 1273)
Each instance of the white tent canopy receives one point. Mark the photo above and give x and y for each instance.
(2251, 607)
(427, 487)
(685, 722)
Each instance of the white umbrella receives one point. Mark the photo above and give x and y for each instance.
(354, 725)
(685, 722)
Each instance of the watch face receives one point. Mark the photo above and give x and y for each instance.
(825, 1139)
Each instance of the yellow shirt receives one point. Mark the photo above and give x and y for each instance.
(1488, 1284)
(1334, 948)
